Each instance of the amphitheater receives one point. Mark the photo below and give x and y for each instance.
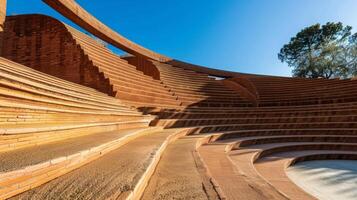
(80, 122)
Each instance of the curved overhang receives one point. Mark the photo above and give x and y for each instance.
(208, 70)
(202, 69)
(74, 12)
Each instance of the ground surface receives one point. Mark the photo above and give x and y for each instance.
(111, 176)
(180, 174)
(326, 180)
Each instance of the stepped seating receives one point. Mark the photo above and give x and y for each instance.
(198, 89)
(261, 120)
(30, 167)
(30, 96)
(44, 44)
(50, 126)
(82, 60)
(255, 156)
(267, 134)
(217, 119)
(65, 136)
(249, 142)
(280, 91)
(120, 174)
(119, 71)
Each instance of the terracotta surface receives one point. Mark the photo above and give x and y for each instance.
(235, 182)
(21, 158)
(59, 50)
(112, 176)
(50, 127)
(74, 119)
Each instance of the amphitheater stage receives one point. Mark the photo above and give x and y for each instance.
(327, 179)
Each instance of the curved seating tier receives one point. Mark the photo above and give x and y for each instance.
(122, 173)
(248, 143)
(48, 45)
(255, 155)
(272, 123)
(50, 126)
(259, 118)
(283, 91)
(29, 96)
(198, 89)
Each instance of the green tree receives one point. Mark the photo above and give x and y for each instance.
(327, 51)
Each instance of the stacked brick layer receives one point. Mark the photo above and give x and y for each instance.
(49, 127)
(47, 45)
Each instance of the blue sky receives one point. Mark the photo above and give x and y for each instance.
(236, 35)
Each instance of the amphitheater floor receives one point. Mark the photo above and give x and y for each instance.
(328, 179)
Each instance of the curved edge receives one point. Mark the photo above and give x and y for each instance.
(74, 12)
(248, 84)
(300, 147)
(242, 90)
(315, 157)
(201, 69)
(326, 156)
(212, 71)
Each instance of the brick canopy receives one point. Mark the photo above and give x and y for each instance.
(74, 12)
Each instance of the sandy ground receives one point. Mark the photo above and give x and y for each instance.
(180, 174)
(111, 176)
(17, 159)
(327, 179)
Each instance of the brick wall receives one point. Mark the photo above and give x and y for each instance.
(44, 44)
(142, 64)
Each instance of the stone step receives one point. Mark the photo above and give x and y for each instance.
(29, 167)
(120, 174)
(25, 135)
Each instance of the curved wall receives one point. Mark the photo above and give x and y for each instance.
(44, 44)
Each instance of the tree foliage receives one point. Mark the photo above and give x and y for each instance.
(326, 51)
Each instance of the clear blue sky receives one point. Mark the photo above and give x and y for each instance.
(237, 35)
